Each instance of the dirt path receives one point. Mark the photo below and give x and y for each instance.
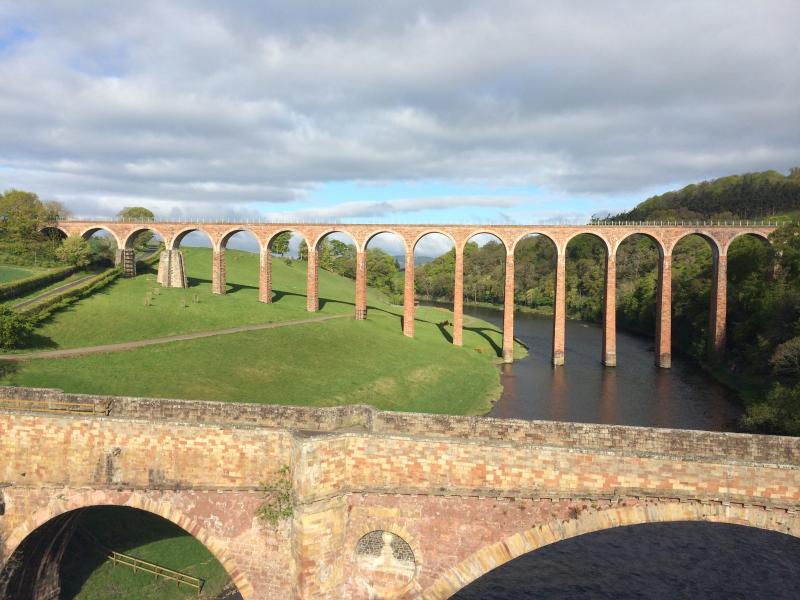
(164, 340)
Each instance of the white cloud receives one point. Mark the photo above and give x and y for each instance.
(202, 107)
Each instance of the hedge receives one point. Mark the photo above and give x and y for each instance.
(20, 287)
(41, 310)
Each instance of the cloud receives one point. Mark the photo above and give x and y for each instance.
(379, 208)
(202, 107)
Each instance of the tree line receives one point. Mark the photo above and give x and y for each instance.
(747, 196)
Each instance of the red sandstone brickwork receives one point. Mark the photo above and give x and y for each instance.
(666, 237)
(610, 313)
(361, 285)
(466, 494)
(719, 301)
(458, 300)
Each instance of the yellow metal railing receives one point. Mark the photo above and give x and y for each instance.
(138, 564)
(55, 407)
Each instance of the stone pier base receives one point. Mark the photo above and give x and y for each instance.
(171, 273)
(126, 258)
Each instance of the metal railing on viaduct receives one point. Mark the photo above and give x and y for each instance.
(665, 235)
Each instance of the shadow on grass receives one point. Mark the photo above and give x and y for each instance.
(481, 331)
(278, 295)
(36, 341)
(8, 368)
(232, 288)
(443, 330)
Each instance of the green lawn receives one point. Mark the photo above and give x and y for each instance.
(8, 273)
(87, 575)
(322, 364)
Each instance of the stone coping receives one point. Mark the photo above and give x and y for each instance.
(355, 420)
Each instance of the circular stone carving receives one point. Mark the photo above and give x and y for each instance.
(385, 562)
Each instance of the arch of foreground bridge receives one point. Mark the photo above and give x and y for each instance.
(494, 555)
(64, 504)
(665, 237)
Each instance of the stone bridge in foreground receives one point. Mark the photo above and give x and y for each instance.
(387, 505)
(665, 236)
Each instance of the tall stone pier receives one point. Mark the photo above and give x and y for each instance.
(171, 273)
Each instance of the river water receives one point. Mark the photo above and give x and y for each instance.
(662, 561)
(635, 392)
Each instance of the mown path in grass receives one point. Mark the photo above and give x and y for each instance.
(336, 362)
(68, 352)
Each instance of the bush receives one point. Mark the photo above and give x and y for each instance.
(786, 358)
(20, 287)
(41, 310)
(75, 251)
(13, 327)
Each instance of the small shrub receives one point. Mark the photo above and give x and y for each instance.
(278, 503)
(289, 262)
(14, 327)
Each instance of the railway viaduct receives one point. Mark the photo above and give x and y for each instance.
(664, 235)
(385, 505)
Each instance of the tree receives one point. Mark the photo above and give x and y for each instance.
(102, 249)
(13, 327)
(28, 227)
(280, 243)
(22, 214)
(75, 251)
(381, 269)
(786, 358)
(136, 213)
(139, 214)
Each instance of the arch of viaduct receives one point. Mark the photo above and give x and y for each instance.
(665, 238)
(465, 494)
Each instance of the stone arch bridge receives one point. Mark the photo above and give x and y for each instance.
(386, 505)
(664, 235)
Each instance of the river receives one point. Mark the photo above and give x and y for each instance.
(661, 561)
(635, 392)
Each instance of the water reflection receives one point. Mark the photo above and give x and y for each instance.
(607, 403)
(635, 392)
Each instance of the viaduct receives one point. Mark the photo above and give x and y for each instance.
(385, 505)
(664, 235)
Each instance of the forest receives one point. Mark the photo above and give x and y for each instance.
(748, 196)
(762, 362)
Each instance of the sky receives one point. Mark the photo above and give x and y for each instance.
(412, 112)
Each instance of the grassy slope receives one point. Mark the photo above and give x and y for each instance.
(88, 576)
(323, 364)
(8, 273)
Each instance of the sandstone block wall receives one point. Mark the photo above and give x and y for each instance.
(450, 488)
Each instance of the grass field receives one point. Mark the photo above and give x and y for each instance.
(322, 364)
(9, 273)
(87, 575)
